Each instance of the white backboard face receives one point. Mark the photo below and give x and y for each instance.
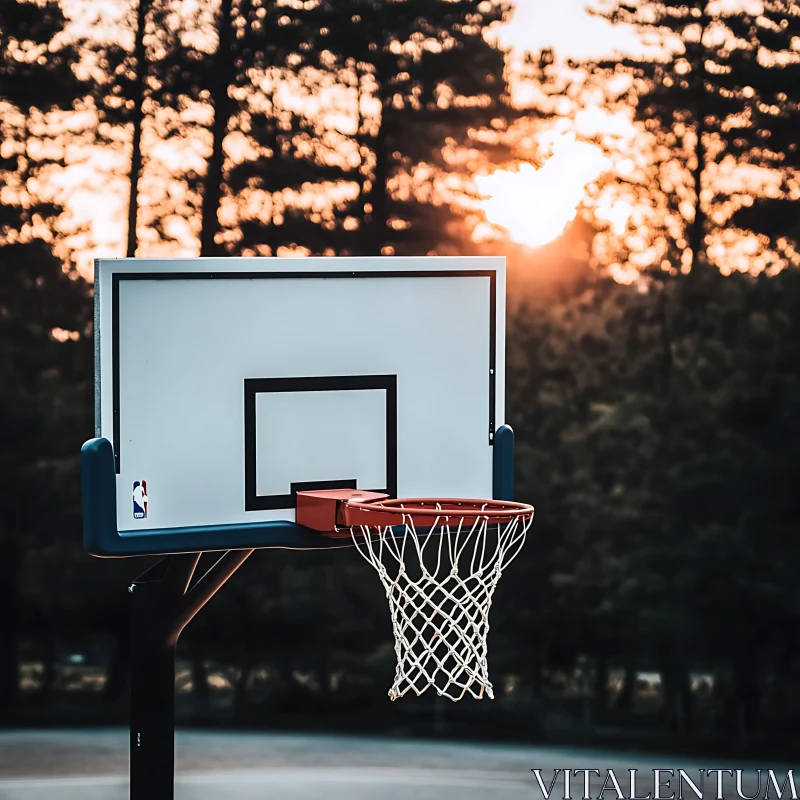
(227, 385)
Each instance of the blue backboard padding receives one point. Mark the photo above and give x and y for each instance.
(99, 497)
(102, 538)
(503, 464)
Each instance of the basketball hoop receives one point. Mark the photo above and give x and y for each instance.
(439, 561)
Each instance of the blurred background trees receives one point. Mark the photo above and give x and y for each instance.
(646, 206)
(44, 314)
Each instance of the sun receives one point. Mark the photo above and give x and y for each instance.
(535, 205)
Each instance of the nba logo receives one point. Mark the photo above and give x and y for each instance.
(140, 499)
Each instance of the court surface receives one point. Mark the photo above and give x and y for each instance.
(92, 765)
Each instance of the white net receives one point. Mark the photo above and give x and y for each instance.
(440, 581)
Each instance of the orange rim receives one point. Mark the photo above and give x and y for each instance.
(425, 511)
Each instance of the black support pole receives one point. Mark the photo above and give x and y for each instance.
(162, 604)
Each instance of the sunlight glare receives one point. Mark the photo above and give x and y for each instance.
(534, 205)
(617, 214)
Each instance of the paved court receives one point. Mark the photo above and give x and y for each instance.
(92, 765)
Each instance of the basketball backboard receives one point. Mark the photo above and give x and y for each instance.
(225, 386)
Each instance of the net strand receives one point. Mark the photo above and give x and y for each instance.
(440, 619)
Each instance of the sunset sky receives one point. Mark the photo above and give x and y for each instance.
(533, 206)
(568, 27)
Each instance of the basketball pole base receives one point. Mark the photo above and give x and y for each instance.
(162, 605)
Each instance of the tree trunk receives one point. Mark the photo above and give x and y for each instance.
(678, 700)
(378, 195)
(25, 210)
(747, 691)
(587, 697)
(666, 359)
(9, 626)
(199, 676)
(137, 119)
(273, 236)
(697, 228)
(363, 244)
(668, 697)
(601, 684)
(537, 679)
(223, 109)
(624, 701)
(686, 700)
(50, 672)
(240, 687)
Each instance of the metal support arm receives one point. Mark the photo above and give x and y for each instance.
(163, 604)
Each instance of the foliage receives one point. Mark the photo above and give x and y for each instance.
(433, 77)
(44, 319)
(656, 437)
(716, 93)
(353, 157)
(772, 110)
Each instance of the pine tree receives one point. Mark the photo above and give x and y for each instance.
(719, 91)
(766, 75)
(36, 77)
(294, 150)
(269, 157)
(674, 101)
(231, 89)
(432, 76)
(130, 93)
